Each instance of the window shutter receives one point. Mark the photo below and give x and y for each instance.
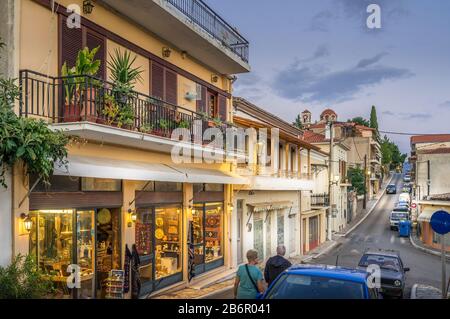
(157, 80)
(201, 99)
(71, 43)
(171, 87)
(93, 41)
(222, 105)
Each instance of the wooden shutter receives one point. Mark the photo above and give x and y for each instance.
(92, 41)
(71, 43)
(201, 100)
(171, 87)
(222, 106)
(157, 80)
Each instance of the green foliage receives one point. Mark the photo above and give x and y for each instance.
(146, 128)
(23, 280)
(374, 118)
(123, 74)
(356, 178)
(360, 120)
(183, 124)
(390, 154)
(26, 140)
(164, 124)
(126, 116)
(110, 109)
(298, 122)
(73, 76)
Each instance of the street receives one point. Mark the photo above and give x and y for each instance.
(374, 232)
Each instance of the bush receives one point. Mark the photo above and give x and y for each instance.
(23, 280)
(356, 178)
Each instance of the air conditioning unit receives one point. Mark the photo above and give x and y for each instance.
(190, 96)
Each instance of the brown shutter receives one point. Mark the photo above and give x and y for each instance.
(93, 41)
(171, 87)
(201, 100)
(222, 105)
(157, 80)
(71, 43)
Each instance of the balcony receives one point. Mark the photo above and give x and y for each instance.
(191, 26)
(320, 200)
(92, 108)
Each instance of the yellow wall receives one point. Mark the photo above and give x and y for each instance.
(186, 85)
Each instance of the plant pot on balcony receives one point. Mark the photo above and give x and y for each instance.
(72, 113)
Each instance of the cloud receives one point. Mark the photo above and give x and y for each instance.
(300, 82)
(367, 62)
(445, 104)
(320, 21)
(413, 116)
(389, 113)
(248, 79)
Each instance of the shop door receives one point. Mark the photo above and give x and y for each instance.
(258, 235)
(85, 221)
(107, 249)
(313, 232)
(239, 234)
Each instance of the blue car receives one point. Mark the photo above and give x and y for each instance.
(321, 282)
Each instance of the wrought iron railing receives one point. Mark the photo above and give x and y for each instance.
(86, 98)
(203, 16)
(320, 200)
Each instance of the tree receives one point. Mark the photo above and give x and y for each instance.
(298, 122)
(390, 154)
(359, 120)
(374, 121)
(356, 178)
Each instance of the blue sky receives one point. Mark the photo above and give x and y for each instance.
(318, 54)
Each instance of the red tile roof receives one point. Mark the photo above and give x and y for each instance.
(441, 150)
(431, 138)
(311, 137)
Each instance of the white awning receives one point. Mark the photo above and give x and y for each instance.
(276, 183)
(83, 166)
(260, 207)
(426, 214)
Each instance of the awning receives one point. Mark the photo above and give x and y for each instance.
(260, 207)
(83, 166)
(276, 183)
(426, 214)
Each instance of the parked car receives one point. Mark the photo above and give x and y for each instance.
(398, 214)
(392, 270)
(391, 189)
(404, 197)
(321, 282)
(407, 188)
(406, 178)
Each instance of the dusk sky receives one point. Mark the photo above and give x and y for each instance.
(319, 54)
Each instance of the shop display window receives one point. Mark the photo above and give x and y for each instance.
(168, 187)
(101, 184)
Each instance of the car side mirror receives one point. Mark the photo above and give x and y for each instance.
(406, 269)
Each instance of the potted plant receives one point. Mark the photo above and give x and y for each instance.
(126, 117)
(146, 128)
(183, 124)
(163, 128)
(78, 82)
(124, 75)
(110, 111)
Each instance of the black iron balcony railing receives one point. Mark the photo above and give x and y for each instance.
(89, 99)
(320, 200)
(203, 16)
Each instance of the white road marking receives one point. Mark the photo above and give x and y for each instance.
(392, 239)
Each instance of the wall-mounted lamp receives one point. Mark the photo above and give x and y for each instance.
(214, 78)
(132, 217)
(183, 54)
(230, 207)
(88, 6)
(27, 222)
(166, 52)
(260, 148)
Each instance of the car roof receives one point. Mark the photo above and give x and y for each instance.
(382, 252)
(328, 271)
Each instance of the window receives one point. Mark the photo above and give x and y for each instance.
(167, 187)
(212, 105)
(208, 188)
(101, 184)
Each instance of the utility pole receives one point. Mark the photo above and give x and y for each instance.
(331, 179)
(428, 177)
(365, 182)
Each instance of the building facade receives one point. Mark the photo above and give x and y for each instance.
(275, 207)
(121, 186)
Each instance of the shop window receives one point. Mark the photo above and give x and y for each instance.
(57, 184)
(167, 187)
(214, 187)
(51, 241)
(280, 228)
(101, 184)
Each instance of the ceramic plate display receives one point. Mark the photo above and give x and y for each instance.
(104, 216)
(159, 233)
(159, 221)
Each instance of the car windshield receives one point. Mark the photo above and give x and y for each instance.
(401, 209)
(385, 262)
(399, 215)
(293, 286)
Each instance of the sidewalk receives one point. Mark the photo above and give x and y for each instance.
(426, 292)
(415, 241)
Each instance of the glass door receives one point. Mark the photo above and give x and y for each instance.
(199, 243)
(85, 238)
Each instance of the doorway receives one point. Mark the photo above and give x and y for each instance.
(239, 233)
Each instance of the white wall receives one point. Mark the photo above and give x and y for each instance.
(6, 222)
(439, 173)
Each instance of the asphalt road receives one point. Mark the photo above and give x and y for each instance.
(374, 232)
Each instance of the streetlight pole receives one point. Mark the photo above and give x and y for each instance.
(365, 182)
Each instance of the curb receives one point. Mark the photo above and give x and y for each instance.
(333, 245)
(429, 251)
(370, 211)
(413, 292)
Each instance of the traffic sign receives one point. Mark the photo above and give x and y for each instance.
(440, 222)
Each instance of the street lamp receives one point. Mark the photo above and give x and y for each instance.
(88, 6)
(27, 222)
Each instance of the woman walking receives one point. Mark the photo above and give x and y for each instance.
(249, 279)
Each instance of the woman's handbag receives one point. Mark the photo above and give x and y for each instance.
(258, 294)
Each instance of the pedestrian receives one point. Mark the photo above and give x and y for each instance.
(135, 275)
(249, 279)
(276, 265)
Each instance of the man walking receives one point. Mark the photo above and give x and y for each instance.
(276, 265)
